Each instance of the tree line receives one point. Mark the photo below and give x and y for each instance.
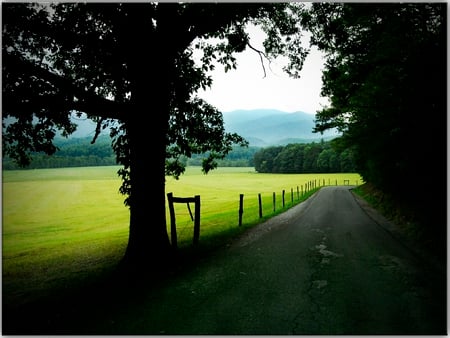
(304, 158)
(237, 157)
(291, 158)
(74, 152)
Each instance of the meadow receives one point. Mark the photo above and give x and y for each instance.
(68, 225)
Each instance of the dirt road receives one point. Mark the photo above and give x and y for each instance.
(323, 267)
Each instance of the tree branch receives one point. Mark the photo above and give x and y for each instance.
(214, 17)
(78, 99)
(97, 130)
(261, 54)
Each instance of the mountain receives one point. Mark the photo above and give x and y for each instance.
(265, 127)
(86, 128)
(261, 127)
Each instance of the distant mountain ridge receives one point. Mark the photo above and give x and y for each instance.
(266, 127)
(261, 127)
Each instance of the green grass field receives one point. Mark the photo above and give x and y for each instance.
(66, 225)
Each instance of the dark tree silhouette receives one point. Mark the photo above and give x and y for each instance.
(386, 76)
(130, 66)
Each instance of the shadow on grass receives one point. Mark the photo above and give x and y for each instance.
(88, 308)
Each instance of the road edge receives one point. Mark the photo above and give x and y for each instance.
(396, 233)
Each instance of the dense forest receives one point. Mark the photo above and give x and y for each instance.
(292, 158)
(304, 158)
(237, 157)
(79, 152)
(73, 152)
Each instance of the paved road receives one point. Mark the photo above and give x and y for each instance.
(323, 267)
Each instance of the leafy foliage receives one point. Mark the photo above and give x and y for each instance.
(385, 68)
(201, 125)
(304, 158)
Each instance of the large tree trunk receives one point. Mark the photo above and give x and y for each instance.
(148, 247)
(148, 239)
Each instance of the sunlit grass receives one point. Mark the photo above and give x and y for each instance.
(58, 225)
(63, 225)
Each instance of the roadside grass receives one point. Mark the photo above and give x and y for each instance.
(66, 227)
(402, 217)
(406, 221)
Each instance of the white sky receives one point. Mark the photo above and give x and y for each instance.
(245, 87)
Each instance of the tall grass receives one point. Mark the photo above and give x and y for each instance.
(62, 226)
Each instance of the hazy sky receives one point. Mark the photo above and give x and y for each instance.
(246, 87)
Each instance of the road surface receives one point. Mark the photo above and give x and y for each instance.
(326, 266)
(323, 267)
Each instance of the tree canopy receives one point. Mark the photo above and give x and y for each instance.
(304, 158)
(130, 66)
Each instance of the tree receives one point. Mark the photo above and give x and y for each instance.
(323, 161)
(264, 159)
(346, 161)
(130, 67)
(385, 74)
(310, 155)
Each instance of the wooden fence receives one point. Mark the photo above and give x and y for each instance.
(196, 218)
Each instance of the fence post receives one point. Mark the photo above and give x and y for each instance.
(274, 202)
(173, 227)
(292, 196)
(283, 198)
(197, 219)
(298, 194)
(260, 205)
(241, 208)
